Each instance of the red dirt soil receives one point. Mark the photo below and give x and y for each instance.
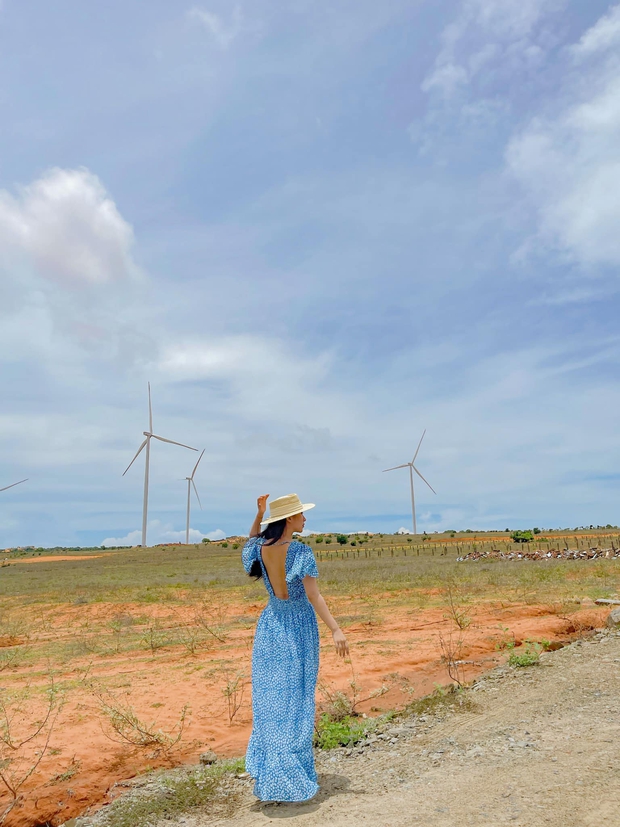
(399, 651)
(57, 558)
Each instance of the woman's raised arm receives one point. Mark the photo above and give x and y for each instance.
(261, 504)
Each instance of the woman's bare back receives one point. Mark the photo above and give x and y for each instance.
(274, 561)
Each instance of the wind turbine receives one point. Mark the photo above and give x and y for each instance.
(147, 444)
(190, 482)
(6, 487)
(412, 468)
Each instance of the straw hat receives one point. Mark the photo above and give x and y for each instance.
(285, 507)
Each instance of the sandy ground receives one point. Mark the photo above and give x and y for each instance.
(542, 748)
(398, 650)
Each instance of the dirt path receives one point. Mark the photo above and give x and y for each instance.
(543, 748)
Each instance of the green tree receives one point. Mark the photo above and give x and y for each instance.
(522, 536)
(342, 539)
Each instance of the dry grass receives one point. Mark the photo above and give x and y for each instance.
(27, 720)
(125, 727)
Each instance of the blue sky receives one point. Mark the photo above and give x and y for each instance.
(316, 229)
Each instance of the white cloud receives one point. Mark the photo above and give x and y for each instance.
(605, 34)
(569, 164)
(256, 370)
(223, 33)
(576, 295)
(259, 358)
(158, 532)
(487, 34)
(67, 272)
(69, 230)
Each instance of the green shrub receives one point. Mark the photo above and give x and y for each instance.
(328, 541)
(353, 543)
(235, 545)
(319, 538)
(330, 734)
(522, 536)
(206, 540)
(530, 657)
(342, 539)
(224, 545)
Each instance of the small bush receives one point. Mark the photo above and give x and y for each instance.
(342, 539)
(205, 540)
(530, 657)
(328, 541)
(330, 734)
(522, 536)
(224, 545)
(353, 543)
(319, 539)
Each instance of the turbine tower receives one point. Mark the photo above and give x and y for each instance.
(412, 468)
(190, 482)
(13, 484)
(147, 444)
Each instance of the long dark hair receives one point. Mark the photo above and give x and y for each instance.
(272, 533)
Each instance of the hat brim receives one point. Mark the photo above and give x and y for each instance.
(304, 507)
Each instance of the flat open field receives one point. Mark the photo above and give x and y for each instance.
(130, 659)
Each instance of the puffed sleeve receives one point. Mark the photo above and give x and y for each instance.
(304, 564)
(250, 552)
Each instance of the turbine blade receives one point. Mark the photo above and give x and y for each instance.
(406, 465)
(150, 411)
(172, 442)
(418, 448)
(196, 466)
(197, 497)
(426, 481)
(6, 488)
(136, 457)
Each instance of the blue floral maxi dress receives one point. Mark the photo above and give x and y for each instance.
(285, 663)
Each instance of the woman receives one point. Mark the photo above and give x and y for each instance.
(285, 658)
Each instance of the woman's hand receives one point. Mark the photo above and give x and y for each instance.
(340, 642)
(261, 504)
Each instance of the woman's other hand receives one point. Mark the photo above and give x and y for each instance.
(340, 642)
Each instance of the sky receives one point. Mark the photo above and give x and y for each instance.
(317, 229)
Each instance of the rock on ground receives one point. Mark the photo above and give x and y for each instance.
(613, 621)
